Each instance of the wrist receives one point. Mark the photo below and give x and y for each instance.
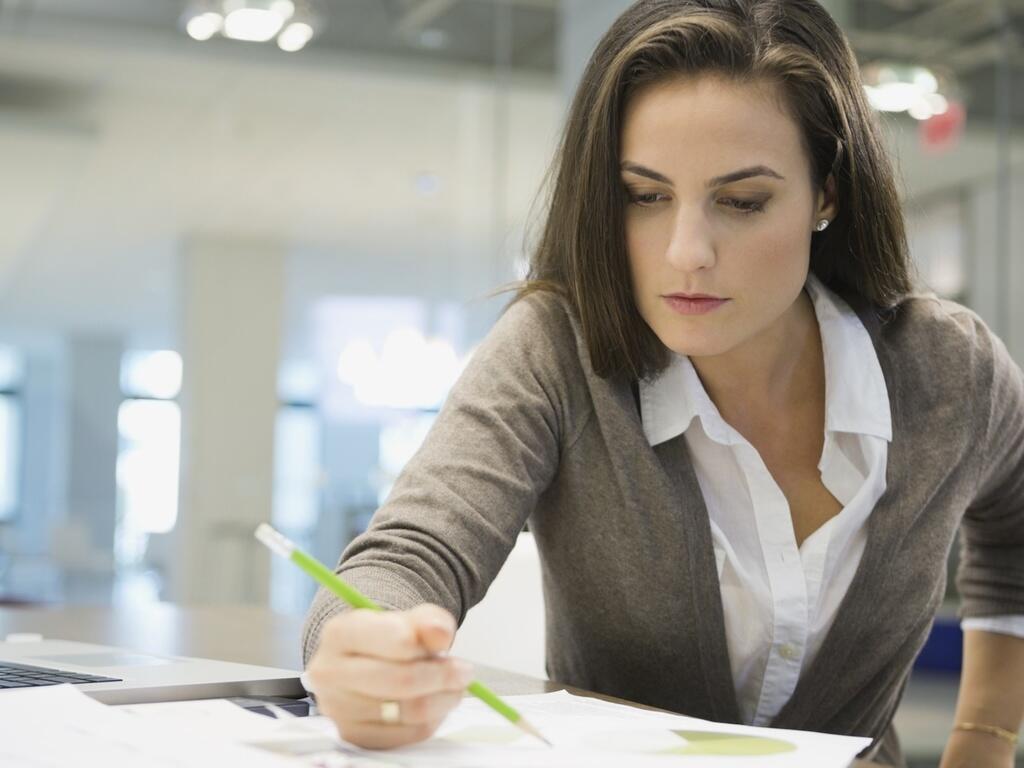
(987, 729)
(975, 749)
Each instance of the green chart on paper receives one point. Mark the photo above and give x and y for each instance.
(652, 742)
(710, 743)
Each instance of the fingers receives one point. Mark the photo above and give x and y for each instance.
(421, 710)
(399, 635)
(402, 680)
(376, 736)
(435, 627)
(368, 657)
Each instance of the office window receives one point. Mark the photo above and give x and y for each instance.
(297, 472)
(298, 479)
(11, 374)
(10, 450)
(400, 437)
(149, 429)
(382, 355)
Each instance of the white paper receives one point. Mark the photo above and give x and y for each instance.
(591, 732)
(58, 726)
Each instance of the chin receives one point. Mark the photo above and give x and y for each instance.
(694, 345)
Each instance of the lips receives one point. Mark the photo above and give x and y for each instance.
(693, 303)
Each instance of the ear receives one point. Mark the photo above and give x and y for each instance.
(828, 203)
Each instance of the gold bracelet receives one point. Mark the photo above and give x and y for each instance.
(991, 730)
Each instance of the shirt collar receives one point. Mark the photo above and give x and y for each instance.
(856, 398)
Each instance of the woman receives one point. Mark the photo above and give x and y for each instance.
(743, 445)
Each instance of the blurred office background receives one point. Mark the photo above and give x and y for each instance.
(237, 278)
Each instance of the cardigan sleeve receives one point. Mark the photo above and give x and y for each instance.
(458, 506)
(990, 578)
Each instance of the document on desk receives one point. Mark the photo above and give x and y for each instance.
(594, 733)
(58, 726)
(585, 732)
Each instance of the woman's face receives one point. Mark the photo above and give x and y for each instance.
(720, 204)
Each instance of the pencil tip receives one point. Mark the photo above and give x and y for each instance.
(532, 731)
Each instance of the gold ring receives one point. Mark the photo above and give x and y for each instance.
(390, 712)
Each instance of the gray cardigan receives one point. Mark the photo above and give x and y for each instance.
(632, 600)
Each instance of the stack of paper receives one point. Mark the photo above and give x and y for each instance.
(59, 726)
(590, 732)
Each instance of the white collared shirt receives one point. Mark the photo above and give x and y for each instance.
(779, 600)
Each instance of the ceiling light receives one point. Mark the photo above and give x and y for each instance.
(204, 26)
(939, 104)
(283, 8)
(906, 88)
(295, 36)
(292, 22)
(255, 25)
(893, 97)
(925, 80)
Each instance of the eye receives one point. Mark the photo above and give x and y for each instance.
(645, 198)
(743, 206)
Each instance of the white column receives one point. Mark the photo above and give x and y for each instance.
(231, 327)
(83, 545)
(93, 396)
(44, 460)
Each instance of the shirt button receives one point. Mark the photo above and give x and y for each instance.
(788, 651)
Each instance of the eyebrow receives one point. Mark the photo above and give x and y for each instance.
(742, 173)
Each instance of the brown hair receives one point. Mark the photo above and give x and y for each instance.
(794, 43)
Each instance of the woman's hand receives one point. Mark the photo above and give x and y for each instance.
(972, 749)
(369, 661)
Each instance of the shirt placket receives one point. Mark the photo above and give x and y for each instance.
(786, 582)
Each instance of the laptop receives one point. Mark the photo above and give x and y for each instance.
(121, 676)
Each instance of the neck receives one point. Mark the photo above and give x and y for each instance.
(773, 372)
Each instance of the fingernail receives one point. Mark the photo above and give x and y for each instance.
(464, 671)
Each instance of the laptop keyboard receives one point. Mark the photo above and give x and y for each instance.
(24, 676)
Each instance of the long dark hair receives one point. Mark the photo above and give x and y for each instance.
(794, 43)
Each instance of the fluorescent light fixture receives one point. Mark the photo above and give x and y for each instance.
(204, 26)
(920, 110)
(925, 80)
(295, 36)
(894, 97)
(256, 21)
(937, 102)
(928, 105)
(283, 8)
(252, 25)
(892, 87)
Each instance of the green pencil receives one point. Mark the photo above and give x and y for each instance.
(281, 545)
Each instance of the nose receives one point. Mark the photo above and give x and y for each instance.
(691, 244)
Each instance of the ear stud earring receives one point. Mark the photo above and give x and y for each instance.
(820, 227)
